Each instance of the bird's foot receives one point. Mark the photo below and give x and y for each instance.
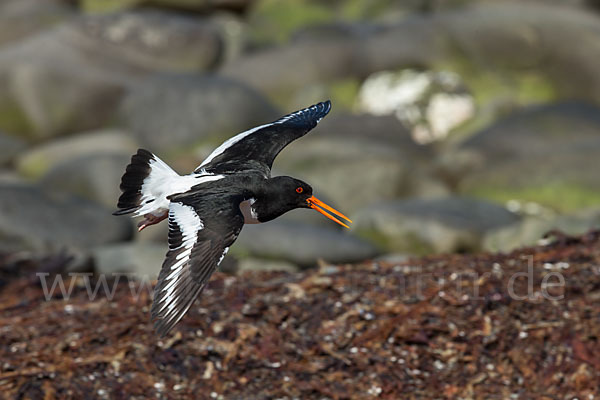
(151, 219)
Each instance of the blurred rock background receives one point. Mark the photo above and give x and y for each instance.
(457, 125)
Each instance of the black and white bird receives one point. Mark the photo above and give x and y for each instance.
(207, 208)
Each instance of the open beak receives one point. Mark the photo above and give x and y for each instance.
(318, 205)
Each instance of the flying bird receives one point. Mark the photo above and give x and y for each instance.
(207, 209)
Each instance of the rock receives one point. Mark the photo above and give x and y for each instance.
(234, 33)
(352, 51)
(95, 177)
(496, 32)
(295, 66)
(541, 154)
(300, 244)
(257, 264)
(10, 146)
(49, 86)
(335, 30)
(10, 176)
(31, 219)
(199, 6)
(154, 40)
(20, 18)
(275, 22)
(204, 6)
(431, 104)
(384, 130)
(539, 131)
(72, 77)
(358, 159)
(510, 39)
(531, 230)
(41, 159)
(142, 260)
(423, 226)
(167, 112)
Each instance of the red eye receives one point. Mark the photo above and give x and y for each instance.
(299, 189)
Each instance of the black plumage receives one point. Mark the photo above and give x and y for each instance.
(207, 209)
(257, 151)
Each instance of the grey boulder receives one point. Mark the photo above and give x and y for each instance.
(50, 86)
(72, 77)
(490, 31)
(436, 225)
(38, 160)
(545, 154)
(191, 6)
(95, 177)
(32, 219)
(153, 40)
(141, 260)
(532, 229)
(259, 264)
(20, 18)
(167, 112)
(300, 244)
(10, 147)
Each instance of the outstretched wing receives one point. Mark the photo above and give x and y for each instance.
(199, 238)
(257, 148)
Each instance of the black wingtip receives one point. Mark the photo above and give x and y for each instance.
(309, 116)
(322, 109)
(161, 329)
(162, 326)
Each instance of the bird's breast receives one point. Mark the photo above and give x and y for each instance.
(250, 216)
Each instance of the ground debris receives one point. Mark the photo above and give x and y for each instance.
(485, 326)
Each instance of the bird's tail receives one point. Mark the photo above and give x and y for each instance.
(143, 184)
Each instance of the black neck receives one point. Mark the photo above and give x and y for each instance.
(274, 197)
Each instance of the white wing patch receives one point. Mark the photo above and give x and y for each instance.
(230, 142)
(195, 250)
(223, 256)
(163, 182)
(189, 224)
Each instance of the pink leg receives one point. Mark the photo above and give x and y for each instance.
(151, 219)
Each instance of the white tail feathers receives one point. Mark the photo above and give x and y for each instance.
(142, 184)
(148, 182)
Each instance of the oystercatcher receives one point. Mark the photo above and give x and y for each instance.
(207, 208)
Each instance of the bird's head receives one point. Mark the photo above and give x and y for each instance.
(291, 193)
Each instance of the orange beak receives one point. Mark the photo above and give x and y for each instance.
(318, 205)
